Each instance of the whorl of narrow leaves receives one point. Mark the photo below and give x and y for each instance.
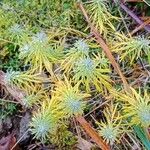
(131, 48)
(23, 80)
(71, 99)
(46, 120)
(32, 98)
(100, 16)
(112, 128)
(136, 106)
(89, 72)
(80, 49)
(87, 69)
(17, 33)
(39, 53)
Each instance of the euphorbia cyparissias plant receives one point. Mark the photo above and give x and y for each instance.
(136, 106)
(39, 53)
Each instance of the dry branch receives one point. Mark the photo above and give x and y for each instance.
(135, 17)
(140, 27)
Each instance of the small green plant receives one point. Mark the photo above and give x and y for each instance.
(80, 49)
(63, 138)
(17, 33)
(112, 128)
(6, 109)
(70, 97)
(10, 57)
(131, 48)
(100, 15)
(87, 69)
(136, 107)
(23, 80)
(32, 98)
(89, 72)
(46, 120)
(39, 53)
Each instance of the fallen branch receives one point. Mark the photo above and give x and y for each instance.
(106, 49)
(136, 18)
(108, 53)
(140, 27)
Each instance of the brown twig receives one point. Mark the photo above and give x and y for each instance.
(140, 27)
(108, 53)
(136, 18)
(144, 18)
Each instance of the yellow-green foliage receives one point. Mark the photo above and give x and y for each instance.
(48, 52)
(39, 53)
(66, 101)
(24, 80)
(136, 106)
(112, 128)
(87, 69)
(46, 120)
(17, 33)
(89, 72)
(33, 97)
(80, 49)
(100, 16)
(130, 48)
(72, 100)
(63, 138)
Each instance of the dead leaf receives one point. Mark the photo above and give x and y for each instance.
(84, 145)
(6, 143)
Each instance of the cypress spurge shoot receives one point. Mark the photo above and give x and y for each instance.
(39, 53)
(90, 72)
(136, 106)
(46, 120)
(71, 98)
(100, 16)
(23, 80)
(112, 128)
(131, 48)
(80, 49)
(17, 33)
(32, 98)
(87, 68)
